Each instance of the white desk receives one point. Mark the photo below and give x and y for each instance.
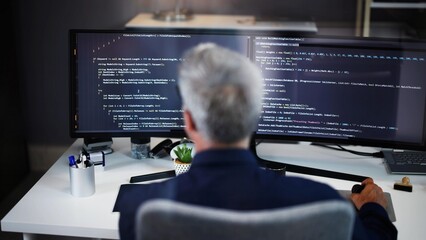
(49, 208)
(145, 20)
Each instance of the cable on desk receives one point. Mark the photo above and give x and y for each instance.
(301, 169)
(340, 148)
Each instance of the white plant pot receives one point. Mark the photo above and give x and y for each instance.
(181, 167)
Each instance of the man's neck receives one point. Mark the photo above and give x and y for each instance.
(206, 145)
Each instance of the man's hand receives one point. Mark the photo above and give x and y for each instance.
(370, 193)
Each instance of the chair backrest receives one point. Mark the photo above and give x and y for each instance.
(167, 219)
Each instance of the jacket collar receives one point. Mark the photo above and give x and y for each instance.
(228, 157)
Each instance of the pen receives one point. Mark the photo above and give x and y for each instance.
(81, 161)
(72, 162)
(87, 163)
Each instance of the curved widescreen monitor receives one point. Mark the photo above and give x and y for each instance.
(346, 90)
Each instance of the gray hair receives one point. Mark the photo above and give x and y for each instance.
(223, 92)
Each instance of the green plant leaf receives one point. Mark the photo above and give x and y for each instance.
(183, 153)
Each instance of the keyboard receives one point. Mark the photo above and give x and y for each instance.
(405, 162)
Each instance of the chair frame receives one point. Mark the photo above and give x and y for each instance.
(168, 219)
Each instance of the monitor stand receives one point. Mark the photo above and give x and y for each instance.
(301, 169)
(98, 145)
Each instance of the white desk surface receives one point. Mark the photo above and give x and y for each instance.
(49, 208)
(222, 22)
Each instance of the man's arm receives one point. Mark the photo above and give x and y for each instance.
(371, 204)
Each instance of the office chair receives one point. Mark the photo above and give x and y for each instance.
(167, 219)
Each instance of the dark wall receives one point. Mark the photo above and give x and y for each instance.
(43, 57)
(13, 154)
(42, 44)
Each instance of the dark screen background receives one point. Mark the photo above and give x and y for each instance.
(342, 89)
(127, 82)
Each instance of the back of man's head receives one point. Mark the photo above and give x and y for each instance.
(223, 92)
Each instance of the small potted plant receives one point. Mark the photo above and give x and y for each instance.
(182, 156)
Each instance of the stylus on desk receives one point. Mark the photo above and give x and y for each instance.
(153, 176)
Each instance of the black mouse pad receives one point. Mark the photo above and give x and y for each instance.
(347, 194)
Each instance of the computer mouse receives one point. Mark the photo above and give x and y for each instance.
(357, 188)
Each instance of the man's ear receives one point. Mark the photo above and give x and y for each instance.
(189, 121)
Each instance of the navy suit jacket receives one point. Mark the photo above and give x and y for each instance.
(232, 179)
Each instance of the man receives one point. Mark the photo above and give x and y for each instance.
(222, 98)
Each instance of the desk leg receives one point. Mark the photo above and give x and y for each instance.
(367, 13)
(28, 236)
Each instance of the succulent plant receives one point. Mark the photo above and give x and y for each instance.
(183, 153)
